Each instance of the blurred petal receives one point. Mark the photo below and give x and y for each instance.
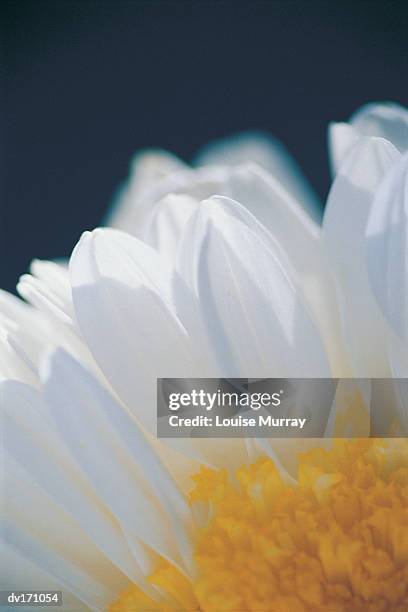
(342, 138)
(262, 194)
(136, 202)
(268, 153)
(156, 174)
(266, 198)
(384, 119)
(135, 197)
(381, 119)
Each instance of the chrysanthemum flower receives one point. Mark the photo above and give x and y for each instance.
(222, 269)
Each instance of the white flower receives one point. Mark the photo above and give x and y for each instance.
(386, 120)
(228, 273)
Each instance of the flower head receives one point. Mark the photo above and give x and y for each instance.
(337, 539)
(221, 269)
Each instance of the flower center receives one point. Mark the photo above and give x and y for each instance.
(337, 541)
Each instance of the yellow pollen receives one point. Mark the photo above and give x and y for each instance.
(337, 541)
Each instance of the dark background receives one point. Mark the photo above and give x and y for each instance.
(85, 84)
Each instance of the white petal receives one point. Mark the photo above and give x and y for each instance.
(54, 527)
(342, 138)
(305, 259)
(265, 197)
(71, 577)
(253, 315)
(124, 295)
(386, 248)
(134, 199)
(292, 227)
(166, 223)
(299, 236)
(139, 197)
(48, 537)
(144, 189)
(52, 321)
(268, 200)
(385, 119)
(344, 224)
(268, 153)
(13, 363)
(23, 333)
(117, 459)
(20, 574)
(37, 446)
(47, 288)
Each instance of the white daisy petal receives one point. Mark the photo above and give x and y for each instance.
(344, 224)
(166, 223)
(299, 236)
(117, 459)
(387, 261)
(266, 198)
(262, 194)
(44, 523)
(154, 174)
(254, 317)
(34, 443)
(268, 153)
(14, 364)
(55, 277)
(385, 119)
(124, 296)
(386, 247)
(133, 201)
(138, 199)
(47, 322)
(34, 292)
(95, 595)
(381, 119)
(23, 334)
(342, 138)
(19, 574)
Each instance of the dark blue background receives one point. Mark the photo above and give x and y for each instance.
(88, 83)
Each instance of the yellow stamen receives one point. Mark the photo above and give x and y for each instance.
(335, 542)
